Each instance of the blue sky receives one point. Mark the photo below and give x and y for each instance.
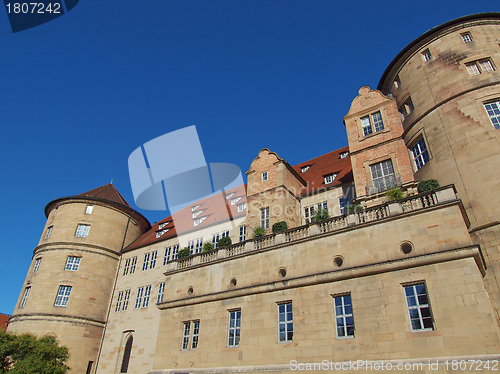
(80, 93)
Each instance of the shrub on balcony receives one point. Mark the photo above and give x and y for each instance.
(354, 208)
(207, 247)
(259, 231)
(427, 185)
(395, 194)
(184, 253)
(321, 214)
(223, 242)
(279, 227)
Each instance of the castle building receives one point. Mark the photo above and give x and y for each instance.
(406, 278)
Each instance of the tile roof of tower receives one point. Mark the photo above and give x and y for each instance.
(4, 318)
(106, 192)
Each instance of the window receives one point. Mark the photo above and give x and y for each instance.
(147, 293)
(199, 220)
(118, 305)
(89, 367)
(199, 245)
(420, 153)
(62, 296)
(397, 82)
(426, 55)
(162, 232)
(383, 176)
(330, 178)
(242, 207)
(466, 37)
(82, 231)
(129, 267)
(186, 333)
(323, 206)
(170, 251)
(343, 203)
(366, 124)
(166, 257)
(126, 355)
(25, 297)
(303, 169)
(190, 246)
(343, 316)
(419, 309)
(161, 291)
(235, 200)
(344, 154)
(175, 251)
(493, 110)
(138, 300)
(225, 234)
(406, 108)
(133, 264)
(197, 213)
(72, 263)
(37, 264)
(285, 322)
(264, 176)
(145, 264)
(126, 297)
(89, 209)
(49, 231)
(264, 218)
(230, 195)
(243, 231)
(215, 239)
(154, 254)
(234, 328)
(309, 213)
(479, 67)
(195, 207)
(126, 267)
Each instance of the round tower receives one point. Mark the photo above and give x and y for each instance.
(70, 281)
(447, 87)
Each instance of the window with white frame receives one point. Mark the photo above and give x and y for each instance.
(420, 153)
(234, 328)
(37, 264)
(129, 267)
(138, 299)
(175, 251)
(119, 299)
(344, 154)
(264, 218)
(198, 221)
(309, 213)
(426, 55)
(372, 123)
(330, 178)
(383, 176)
(343, 316)
(343, 203)
(152, 263)
(225, 234)
(186, 334)
(419, 309)
(215, 239)
(82, 231)
(126, 298)
(303, 169)
(170, 254)
(133, 264)
(466, 37)
(72, 263)
(199, 245)
(228, 196)
(243, 232)
(49, 231)
(242, 207)
(264, 176)
(323, 206)
(161, 291)
(285, 322)
(126, 266)
(89, 209)
(145, 263)
(25, 297)
(147, 293)
(493, 110)
(197, 213)
(63, 296)
(193, 208)
(160, 233)
(480, 66)
(235, 200)
(191, 246)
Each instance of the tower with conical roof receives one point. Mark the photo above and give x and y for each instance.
(68, 287)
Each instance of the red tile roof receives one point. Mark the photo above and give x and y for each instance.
(106, 192)
(214, 212)
(3, 321)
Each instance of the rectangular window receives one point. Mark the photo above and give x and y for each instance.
(215, 239)
(152, 264)
(186, 332)
(145, 264)
(420, 153)
(309, 213)
(426, 55)
(383, 176)
(37, 264)
(82, 231)
(126, 266)
(342, 205)
(161, 291)
(397, 82)
(264, 176)
(303, 169)
(147, 293)
(235, 200)
(175, 251)
(62, 296)
(49, 231)
(242, 207)
(486, 66)
(378, 124)
(466, 37)
(138, 300)
(25, 297)
(243, 231)
(343, 316)
(119, 299)
(473, 69)
(89, 209)
(126, 297)
(480, 66)
(493, 110)
(264, 218)
(323, 206)
(285, 322)
(366, 124)
(89, 367)
(225, 234)
(185, 335)
(234, 328)
(199, 245)
(133, 263)
(191, 246)
(72, 263)
(166, 258)
(419, 309)
(196, 334)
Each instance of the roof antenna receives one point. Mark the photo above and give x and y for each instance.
(111, 181)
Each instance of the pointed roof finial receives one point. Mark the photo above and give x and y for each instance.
(111, 181)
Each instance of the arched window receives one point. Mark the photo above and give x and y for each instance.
(126, 354)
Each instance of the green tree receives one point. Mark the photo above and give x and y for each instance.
(27, 354)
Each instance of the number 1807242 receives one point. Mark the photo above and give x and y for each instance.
(33, 8)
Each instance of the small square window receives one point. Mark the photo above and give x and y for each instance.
(426, 55)
(82, 231)
(466, 37)
(264, 176)
(89, 209)
(72, 263)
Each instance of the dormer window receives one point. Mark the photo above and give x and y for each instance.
(160, 233)
(344, 154)
(234, 201)
(197, 213)
(193, 208)
(199, 220)
(330, 178)
(264, 176)
(162, 225)
(303, 169)
(372, 122)
(242, 207)
(229, 196)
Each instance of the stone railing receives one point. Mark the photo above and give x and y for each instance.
(362, 216)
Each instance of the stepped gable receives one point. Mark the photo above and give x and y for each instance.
(319, 167)
(211, 210)
(106, 192)
(4, 318)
